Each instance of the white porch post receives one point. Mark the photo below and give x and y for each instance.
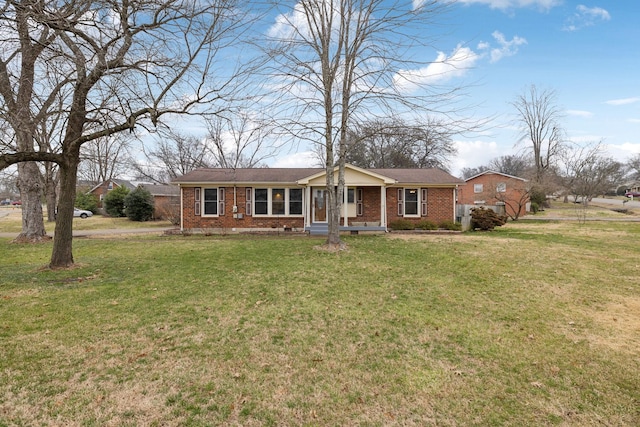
(307, 207)
(345, 213)
(383, 206)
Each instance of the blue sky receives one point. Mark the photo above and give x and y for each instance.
(587, 52)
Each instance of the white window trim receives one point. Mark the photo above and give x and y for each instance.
(270, 204)
(478, 188)
(403, 202)
(501, 187)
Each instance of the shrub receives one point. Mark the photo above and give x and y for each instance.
(426, 225)
(450, 225)
(114, 201)
(86, 201)
(538, 195)
(402, 224)
(139, 205)
(486, 219)
(534, 207)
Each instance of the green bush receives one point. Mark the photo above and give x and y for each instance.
(485, 219)
(450, 225)
(139, 205)
(402, 224)
(86, 201)
(534, 207)
(426, 225)
(114, 202)
(538, 195)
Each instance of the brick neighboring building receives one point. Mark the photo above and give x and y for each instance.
(295, 198)
(504, 193)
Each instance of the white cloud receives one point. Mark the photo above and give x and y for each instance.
(623, 101)
(586, 17)
(472, 154)
(634, 120)
(580, 113)
(506, 47)
(443, 68)
(304, 159)
(622, 152)
(512, 4)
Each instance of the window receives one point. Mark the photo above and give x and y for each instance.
(275, 201)
(411, 201)
(501, 187)
(261, 201)
(478, 188)
(351, 195)
(211, 201)
(295, 201)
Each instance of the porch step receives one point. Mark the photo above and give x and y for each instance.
(318, 229)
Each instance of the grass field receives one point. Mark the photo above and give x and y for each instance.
(532, 324)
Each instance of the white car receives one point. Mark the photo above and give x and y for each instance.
(82, 213)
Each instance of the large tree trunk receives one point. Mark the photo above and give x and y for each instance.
(30, 186)
(62, 254)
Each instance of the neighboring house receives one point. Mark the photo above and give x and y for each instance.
(296, 198)
(101, 190)
(166, 199)
(506, 194)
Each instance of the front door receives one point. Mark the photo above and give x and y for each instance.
(319, 205)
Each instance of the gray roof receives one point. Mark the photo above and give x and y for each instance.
(161, 190)
(292, 175)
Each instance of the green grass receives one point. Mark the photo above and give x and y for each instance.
(532, 324)
(12, 222)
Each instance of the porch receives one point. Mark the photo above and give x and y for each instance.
(322, 228)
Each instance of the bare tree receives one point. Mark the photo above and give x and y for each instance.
(123, 64)
(513, 165)
(104, 158)
(173, 154)
(394, 143)
(539, 118)
(242, 141)
(339, 63)
(588, 173)
(633, 166)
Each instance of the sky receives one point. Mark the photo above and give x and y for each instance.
(588, 53)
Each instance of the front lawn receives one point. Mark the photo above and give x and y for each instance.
(532, 324)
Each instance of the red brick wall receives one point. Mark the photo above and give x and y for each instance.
(515, 192)
(440, 206)
(227, 221)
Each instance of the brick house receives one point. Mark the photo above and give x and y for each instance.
(101, 190)
(506, 194)
(295, 198)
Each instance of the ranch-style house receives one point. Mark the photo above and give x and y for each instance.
(295, 199)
